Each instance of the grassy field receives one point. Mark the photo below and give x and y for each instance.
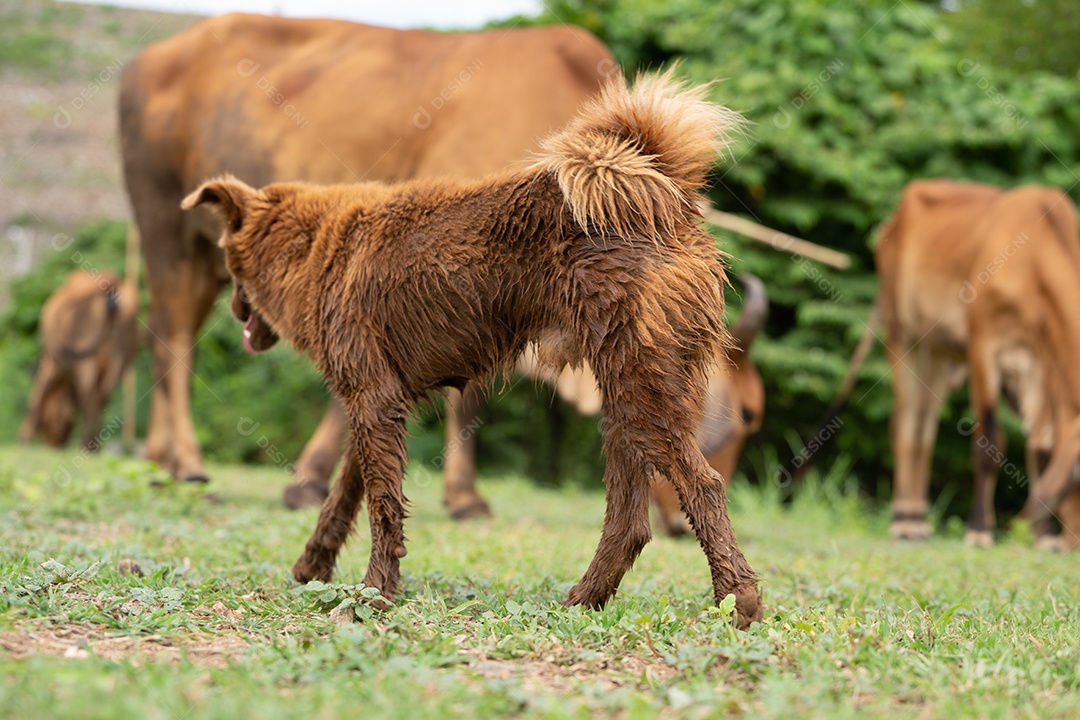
(215, 627)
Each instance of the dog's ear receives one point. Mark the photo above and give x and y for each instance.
(230, 196)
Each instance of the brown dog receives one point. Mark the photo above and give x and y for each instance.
(597, 249)
(88, 336)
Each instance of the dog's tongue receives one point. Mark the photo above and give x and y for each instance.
(247, 334)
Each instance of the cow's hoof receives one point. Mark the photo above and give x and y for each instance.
(473, 509)
(193, 476)
(677, 526)
(1050, 543)
(910, 530)
(298, 496)
(979, 538)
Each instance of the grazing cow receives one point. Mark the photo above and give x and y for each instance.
(977, 279)
(88, 337)
(734, 409)
(272, 98)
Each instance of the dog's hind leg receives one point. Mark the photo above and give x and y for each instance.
(626, 521)
(701, 490)
(649, 420)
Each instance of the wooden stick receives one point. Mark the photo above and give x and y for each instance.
(776, 239)
(128, 389)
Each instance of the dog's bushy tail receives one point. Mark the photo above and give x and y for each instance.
(634, 159)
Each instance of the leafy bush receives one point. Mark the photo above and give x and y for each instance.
(847, 102)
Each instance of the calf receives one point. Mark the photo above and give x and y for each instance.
(88, 337)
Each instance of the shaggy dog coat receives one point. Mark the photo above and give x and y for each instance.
(597, 250)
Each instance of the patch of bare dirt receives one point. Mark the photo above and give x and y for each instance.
(542, 675)
(80, 641)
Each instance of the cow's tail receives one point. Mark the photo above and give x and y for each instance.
(828, 421)
(633, 161)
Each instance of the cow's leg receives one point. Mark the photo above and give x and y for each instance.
(57, 418)
(669, 508)
(159, 429)
(987, 444)
(311, 484)
(182, 292)
(920, 385)
(375, 466)
(48, 376)
(1037, 458)
(90, 401)
(460, 496)
(1069, 514)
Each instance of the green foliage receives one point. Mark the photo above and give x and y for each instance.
(847, 102)
(27, 40)
(1023, 35)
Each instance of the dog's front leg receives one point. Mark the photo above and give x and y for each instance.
(335, 522)
(701, 490)
(379, 430)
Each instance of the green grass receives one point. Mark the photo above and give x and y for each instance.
(855, 625)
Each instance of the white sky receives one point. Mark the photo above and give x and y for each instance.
(393, 13)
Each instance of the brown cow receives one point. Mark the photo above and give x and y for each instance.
(273, 98)
(734, 409)
(88, 337)
(974, 278)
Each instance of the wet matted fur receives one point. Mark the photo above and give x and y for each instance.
(598, 249)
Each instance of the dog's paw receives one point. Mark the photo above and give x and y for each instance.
(580, 594)
(307, 569)
(748, 606)
(387, 590)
